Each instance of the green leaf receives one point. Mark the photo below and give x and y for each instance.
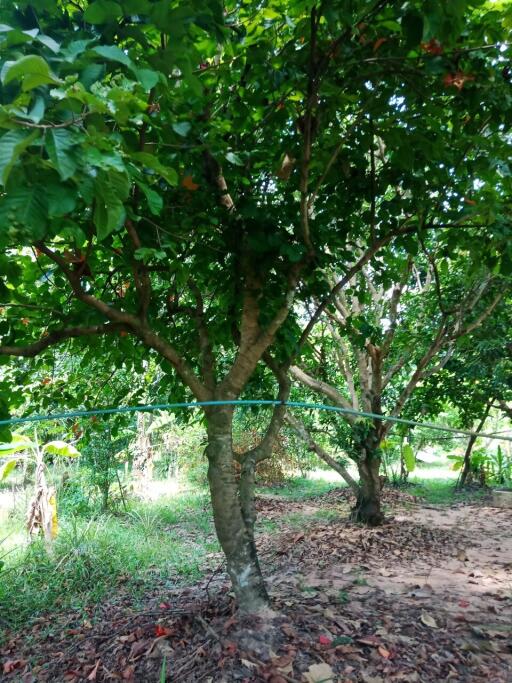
(408, 457)
(7, 468)
(147, 78)
(61, 448)
(37, 111)
(59, 143)
(61, 200)
(48, 42)
(31, 70)
(24, 209)
(102, 12)
(155, 201)
(182, 128)
(112, 190)
(152, 163)
(12, 145)
(113, 53)
(234, 159)
(18, 444)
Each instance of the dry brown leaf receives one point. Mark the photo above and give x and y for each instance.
(92, 676)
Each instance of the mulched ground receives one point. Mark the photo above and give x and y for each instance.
(426, 598)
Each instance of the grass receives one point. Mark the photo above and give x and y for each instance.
(166, 541)
(301, 488)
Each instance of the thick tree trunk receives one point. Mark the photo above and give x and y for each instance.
(367, 508)
(233, 512)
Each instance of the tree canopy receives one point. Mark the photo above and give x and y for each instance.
(175, 174)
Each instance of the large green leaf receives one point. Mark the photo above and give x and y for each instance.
(23, 211)
(113, 53)
(32, 70)
(61, 448)
(7, 468)
(408, 456)
(12, 145)
(18, 444)
(102, 12)
(59, 145)
(112, 189)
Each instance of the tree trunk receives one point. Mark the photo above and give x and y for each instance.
(367, 508)
(465, 477)
(233, 512)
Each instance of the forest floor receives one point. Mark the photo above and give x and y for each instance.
(426, 598)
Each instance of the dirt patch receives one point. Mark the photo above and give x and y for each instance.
(426, 598)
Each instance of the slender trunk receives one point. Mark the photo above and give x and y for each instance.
(367, 508)
(301, 430)
(233, 512)
(466, 468)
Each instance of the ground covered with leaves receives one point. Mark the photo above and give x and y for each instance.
(427, 598)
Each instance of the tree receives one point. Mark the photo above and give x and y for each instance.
(173, 171)
(377, 343)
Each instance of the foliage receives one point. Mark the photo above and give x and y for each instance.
(491, 468)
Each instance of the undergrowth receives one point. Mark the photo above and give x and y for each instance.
(169, 540)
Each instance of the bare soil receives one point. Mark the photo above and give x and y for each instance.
(425, 598)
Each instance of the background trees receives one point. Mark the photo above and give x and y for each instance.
(174, 173)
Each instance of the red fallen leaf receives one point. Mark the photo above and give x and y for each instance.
(464, 603)
(324, 640)
(378, 43)
(386, 654)
(12, 664)
(163, 631)
(230, 648)
(164, 605)
(433, 47)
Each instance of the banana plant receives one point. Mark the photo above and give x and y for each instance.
(42, 509)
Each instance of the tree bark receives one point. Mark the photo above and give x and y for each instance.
(466, 468)
(367, 509)
(233, 512)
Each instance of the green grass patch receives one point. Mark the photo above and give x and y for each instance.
(301, 488)
(90, 559)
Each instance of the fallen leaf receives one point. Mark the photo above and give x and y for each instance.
(12, 664)
(163, 631)
(324, 640)
(464, 603)
(92, 676)
(386, 654)
(319, 673)
(428, 620)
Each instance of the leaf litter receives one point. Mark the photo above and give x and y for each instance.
(425, 598)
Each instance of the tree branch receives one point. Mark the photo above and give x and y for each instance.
(301, 430)
(57, 336)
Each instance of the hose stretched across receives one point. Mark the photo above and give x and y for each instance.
(242, 402)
